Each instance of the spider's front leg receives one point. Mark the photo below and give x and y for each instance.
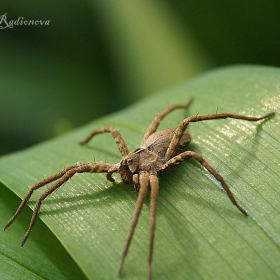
(154, 183)
(144, 184)
(190, 154)
(145, 179)
(60, 178)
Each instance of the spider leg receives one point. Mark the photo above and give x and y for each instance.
(115, 133)
(188, 154)
(61, 178)
(112, 170)
(136, 182)
(31, 190)
(155, 123)
(144, 184)
(153, 205)
(183, 125)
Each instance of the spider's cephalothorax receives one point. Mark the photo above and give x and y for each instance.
(150, 157)
(158, 152)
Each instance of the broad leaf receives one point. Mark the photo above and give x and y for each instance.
(200, 234)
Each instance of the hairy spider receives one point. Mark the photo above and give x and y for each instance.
(158, 152)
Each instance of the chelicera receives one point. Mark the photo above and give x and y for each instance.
(159, 151)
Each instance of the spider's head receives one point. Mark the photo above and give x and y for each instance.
(137, 161)
(129, 166)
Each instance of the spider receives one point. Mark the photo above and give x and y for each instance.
(159, 151)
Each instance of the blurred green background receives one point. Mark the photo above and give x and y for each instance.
(96, 57)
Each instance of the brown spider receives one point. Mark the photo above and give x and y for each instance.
(158, 152)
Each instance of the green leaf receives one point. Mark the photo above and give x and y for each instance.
(43, 258)
(200, 234)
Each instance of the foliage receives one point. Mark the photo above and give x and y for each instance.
(199, 233)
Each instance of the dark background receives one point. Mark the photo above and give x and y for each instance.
(96, 57)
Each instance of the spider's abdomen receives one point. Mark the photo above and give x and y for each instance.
(159, 142)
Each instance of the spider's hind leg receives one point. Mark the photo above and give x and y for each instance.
(156, 121)
(184, 124)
